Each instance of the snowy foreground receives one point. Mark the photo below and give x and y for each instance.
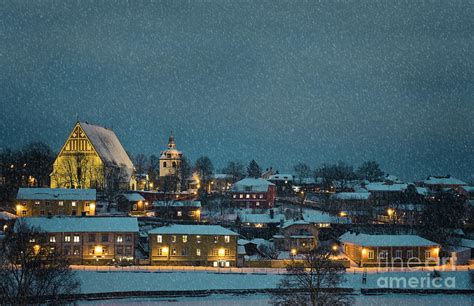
(263, 300)
(120, 281)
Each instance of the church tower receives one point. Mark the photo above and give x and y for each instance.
(170, 159)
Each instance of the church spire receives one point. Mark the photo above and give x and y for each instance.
(171, 143)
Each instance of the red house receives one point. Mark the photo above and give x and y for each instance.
(253, 193)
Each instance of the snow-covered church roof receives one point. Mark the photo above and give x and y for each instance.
(108, 146)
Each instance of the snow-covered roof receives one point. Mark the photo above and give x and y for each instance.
(221, 176)
(281, 177)
(466, 243)
(177, 203)
(61, 194)
(252, 185)
(443, 180)
(468, 188)
(61, 224)
(5, 215)
(392, 178)
(182, 229)
(355, 196)
(385, 240)
(261, 218)
(315, 216)
(294, 222)
(386, 187)
(422, 191)
(133, 197)
(108, 147)
(241, 250)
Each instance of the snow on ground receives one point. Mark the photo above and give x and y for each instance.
(95, 282)
(263, 300)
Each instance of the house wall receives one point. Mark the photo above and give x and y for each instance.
(182, 213)
(252, 199)
(361, 254)
(35, 208)
(186, 252)
(113, 246)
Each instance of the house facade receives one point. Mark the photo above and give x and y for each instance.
(253, 193)
(92, 157)
(296, 236)
(193, 245)
(34, 202)
(389, 250)
(133, 203)
(88, 240)
(178, 210)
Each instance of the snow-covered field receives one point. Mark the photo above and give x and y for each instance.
(96, 282)
(263, 300)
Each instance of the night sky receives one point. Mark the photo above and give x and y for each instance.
(278, 81)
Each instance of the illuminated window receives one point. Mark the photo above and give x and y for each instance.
(198, 239)
(383, 255)
(371, 255)
(173, 251)
(234, 196)
(119, 239)
(227, 252)
(216, 239)
(185, 238)
(198, 252)
(241, 196)
(227, 239)
(76, 239)
(159, 239)
(180, 213)
(73, 204)
(247, 196)
(37, 202)
(61, 203)
(52, 238)
(427, 254)
(67, 238)
(261, 196)
(173, 238)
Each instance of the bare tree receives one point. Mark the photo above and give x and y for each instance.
(30, 271)
(115, 182)
(313, 281)
(268, 251)
(303, 171)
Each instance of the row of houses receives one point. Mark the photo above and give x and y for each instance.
(100, 240)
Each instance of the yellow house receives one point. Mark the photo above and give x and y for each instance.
(91, 157)
(193, 245)
(34, 202)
